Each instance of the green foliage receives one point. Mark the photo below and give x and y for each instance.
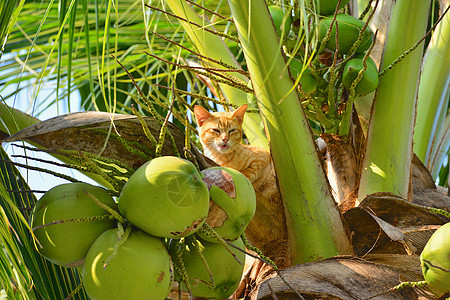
(96, 49)
(8, 13)
(62, 47)
(25, 273)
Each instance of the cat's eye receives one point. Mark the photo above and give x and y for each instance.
(232, 130)
(215, 130)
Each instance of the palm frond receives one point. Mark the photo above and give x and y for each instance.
(67, 52)
(25, 273)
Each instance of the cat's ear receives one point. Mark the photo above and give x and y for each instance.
(201, 115)
(239, 113)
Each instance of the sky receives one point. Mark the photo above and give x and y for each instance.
(38, 180)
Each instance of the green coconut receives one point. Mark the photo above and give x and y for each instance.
(232, 202)
(165, 197)
(278, 17)
(327, 7)
(349, 28)
(369, 80)
(61, 241)
(225, 270)
(139, 270)
(307, 81)
(435, 260)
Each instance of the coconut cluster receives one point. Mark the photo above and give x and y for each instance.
(169, 216)
(342, 31)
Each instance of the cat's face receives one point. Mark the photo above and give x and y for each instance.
(220, 131)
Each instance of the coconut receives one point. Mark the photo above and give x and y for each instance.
(369, 79)
(278, 16)
(349, 28)
(327, 7)
(165, 197)
(139, 270)
(435, 260)
(63, 238)
(307, 81)
(232, 202)
(225, 270)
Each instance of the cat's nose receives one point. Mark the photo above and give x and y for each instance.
(224, 139)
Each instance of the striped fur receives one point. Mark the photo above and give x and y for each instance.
(221, 135)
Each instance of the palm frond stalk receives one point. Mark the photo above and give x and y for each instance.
(316, 230)
(433, 92)
(440, 148)
(387, 162)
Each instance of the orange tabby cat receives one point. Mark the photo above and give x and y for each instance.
(221, 134)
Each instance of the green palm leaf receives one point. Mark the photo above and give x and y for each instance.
(25, 274)
(74, 49)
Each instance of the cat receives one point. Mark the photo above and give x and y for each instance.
(221, 134)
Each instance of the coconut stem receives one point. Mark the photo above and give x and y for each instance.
(189, 155)
(105, 161)
(187, 134)
(262, 257)
(268, 261)
(179, 265)
(211, 233)
(75, 291)
(121, 239)
(366, 10)
(327, 37)
(96, 169)
(130, 146)
(438, 211)
(344, 126)
(84, 162)
(56, 174)
(354, 46)
(215, 74)
(150, 107)
(361, 72)
(144, 125)
(435, 266)
(363, 30)
(203, 259)
(114, 213)
(417, 44)
(76, 220)
(163, 130)
(399, 287)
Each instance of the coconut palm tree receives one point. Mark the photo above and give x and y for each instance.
(159, 59)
